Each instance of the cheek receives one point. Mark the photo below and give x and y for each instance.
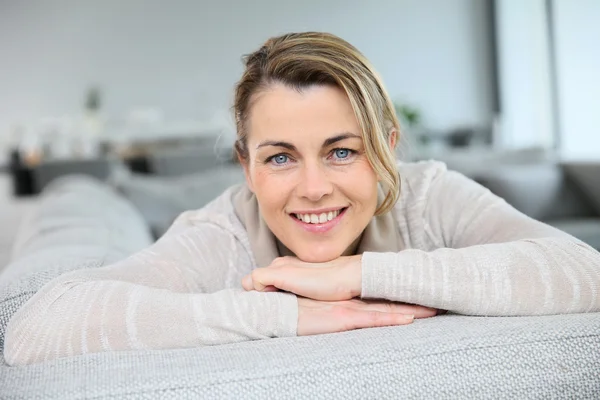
(270, 189)
(361, 184)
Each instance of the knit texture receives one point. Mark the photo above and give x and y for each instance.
(465, 250)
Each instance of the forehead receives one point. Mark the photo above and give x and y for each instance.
(281, 112)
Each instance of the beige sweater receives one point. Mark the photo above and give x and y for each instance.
(458, 247)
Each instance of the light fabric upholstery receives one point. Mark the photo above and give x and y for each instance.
(445, 357)
(79, 223)
(161, 199)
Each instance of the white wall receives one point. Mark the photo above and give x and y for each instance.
(577, 39)
(524, 74)
(184, 56)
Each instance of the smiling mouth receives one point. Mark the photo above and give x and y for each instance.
(319, 218)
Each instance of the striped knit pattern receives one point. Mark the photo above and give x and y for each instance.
(465, 250)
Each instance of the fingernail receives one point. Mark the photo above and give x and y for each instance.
(409, 317)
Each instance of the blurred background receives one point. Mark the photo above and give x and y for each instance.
(132, 79)
(504, 91)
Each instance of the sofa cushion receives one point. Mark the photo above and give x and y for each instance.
(178, 162)
(79, 222)
(542, 191)
(12, 211)
(587, 175)
(585, 229)
(162, 199)
(445, 357)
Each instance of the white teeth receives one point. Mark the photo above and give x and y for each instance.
(318, 219)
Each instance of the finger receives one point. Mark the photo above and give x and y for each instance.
(300, 281)
(248, 284)
(261, 278)
(359, 319)
(416, 310)
(393, 307)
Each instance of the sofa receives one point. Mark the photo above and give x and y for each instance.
(84, 222)
(562, 193)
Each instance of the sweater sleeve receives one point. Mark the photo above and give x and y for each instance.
(183, 291)
(490, 259)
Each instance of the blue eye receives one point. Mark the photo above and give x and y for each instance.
(280, 159)
(342, 153)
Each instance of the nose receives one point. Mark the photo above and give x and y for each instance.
(314, 183)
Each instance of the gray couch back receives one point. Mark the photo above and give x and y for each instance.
(544, 191)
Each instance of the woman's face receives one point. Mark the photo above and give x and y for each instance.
(307, 166)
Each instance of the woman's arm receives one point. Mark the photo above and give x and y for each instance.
(184, 291)
(491, 260)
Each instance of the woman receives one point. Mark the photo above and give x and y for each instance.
(328, 234)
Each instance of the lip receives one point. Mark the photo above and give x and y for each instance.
(319, 211)
(325, 226)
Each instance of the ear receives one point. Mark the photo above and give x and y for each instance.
(393, 138)
(244, 163)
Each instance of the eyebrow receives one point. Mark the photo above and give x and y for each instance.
(340, 137)
(291, 147)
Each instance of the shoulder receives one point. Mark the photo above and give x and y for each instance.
(217, 218)
(219, 211)
(431, 195)
(417, 180)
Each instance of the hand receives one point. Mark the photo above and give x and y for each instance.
(318, 317)
(339, 279)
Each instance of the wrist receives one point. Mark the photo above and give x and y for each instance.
(356, 274)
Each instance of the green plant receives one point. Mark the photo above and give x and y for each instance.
(410, 115)
(93, 99)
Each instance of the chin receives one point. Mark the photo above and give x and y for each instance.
(319, 256)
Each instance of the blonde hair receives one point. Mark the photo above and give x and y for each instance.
(304, 59)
